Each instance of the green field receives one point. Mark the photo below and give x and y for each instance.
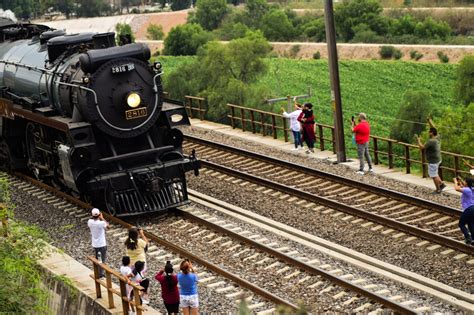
(374, 87)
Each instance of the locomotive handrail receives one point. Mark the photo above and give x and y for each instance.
(35, 68)
(80, 87)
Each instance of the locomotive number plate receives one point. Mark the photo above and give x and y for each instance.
(136, 113)
(123, 68)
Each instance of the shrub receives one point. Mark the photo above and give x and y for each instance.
(277, 27)
(124, 30)
(397, 54)
(412, 115)
(465, 80)
(180, 4)
(386, 52)
(155, 32)
(210, 13)
(294, 50)
(317, 55)
(185, 40)
(415, 55)
(443, 57)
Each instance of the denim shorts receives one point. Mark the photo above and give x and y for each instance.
(189, 301)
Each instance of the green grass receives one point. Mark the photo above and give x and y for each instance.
(373, 87)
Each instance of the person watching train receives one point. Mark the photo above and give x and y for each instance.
(362, 139)
(137, 246)
(306, 119)
(188, 293)
(169, 288)
(467, 205)
(97, 226)
(295, 124)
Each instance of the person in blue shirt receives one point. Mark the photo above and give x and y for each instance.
(188, 294)
(467, 205)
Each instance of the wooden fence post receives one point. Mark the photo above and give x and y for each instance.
(321, 137)
(285, 130)
(274, 130)
(252, 121)
(123, 292)
(232, 115)
(333, 137)
(376, 151)
(242, 116)
(98, 291)
(262, 122)
(407, 159)
(390, 154)
(110, 294)
(423, 163)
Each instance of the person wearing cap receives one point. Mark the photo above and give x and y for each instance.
(169, 288)
(97, 225)
(432, 148)
(362, 139)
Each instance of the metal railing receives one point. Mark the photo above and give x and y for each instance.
(194, 104)
(126, 302)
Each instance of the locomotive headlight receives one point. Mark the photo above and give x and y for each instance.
(133, 100)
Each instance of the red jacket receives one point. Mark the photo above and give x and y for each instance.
(362, 132)
(169, 295)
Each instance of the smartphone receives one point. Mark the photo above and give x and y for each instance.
(352, 118)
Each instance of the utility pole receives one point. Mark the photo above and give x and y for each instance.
(334, 77)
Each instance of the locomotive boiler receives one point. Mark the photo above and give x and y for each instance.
(88, 116)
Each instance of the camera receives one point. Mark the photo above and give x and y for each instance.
(352, 118)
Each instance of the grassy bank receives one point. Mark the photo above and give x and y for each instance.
(374, 87)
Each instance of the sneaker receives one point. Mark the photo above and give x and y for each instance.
(146, 302)
(441, 187)
(312, 151)
(360, 172)
(371, 170)
(436, 192)
(307, 151)
(294, 149)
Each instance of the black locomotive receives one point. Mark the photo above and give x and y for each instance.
(88, 116)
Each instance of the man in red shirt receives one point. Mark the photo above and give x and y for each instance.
(362, 138)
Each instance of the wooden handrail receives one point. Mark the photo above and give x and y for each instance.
(109, 272)
(189, 102)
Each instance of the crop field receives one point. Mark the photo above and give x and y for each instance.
(373, 87)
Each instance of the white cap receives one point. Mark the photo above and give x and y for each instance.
(95, 212)
(472, 172)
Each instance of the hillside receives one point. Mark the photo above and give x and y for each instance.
(374, 87)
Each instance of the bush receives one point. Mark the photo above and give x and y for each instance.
(294, 50)
(415, 55)
(277, 27)
(397, 54)
(155, 32)
(386, 52)
(210, 13)
(185, 40)
(317, 55)
(180, 4)
(443, 57)
(412, 115)
(465, 80)
(124, 30)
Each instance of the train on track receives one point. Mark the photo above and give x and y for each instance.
(89, 117)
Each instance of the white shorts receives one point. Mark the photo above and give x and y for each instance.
(189, 301)
(433, 169)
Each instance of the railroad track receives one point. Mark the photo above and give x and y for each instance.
(358, 295)
(418, 217)
(211, 275)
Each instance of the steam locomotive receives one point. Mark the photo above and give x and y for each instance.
(88, 116)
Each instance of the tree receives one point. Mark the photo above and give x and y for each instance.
(223, 73)
(411, 117)
(229, 31)
(254, 12)
(155, 32)
(124, 30)
(177, 5)
(350, 14)
(315, 30)
(277, 27)
(185, 40)
(452, 127)
(210, 13)
(91, 8)
(430, 28)
(465, 80)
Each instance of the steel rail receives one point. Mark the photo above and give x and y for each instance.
(303, 266)
(432, 237)
(173, 247)
(335, 178)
